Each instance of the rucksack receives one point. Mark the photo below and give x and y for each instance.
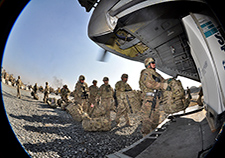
(96, 124)
(52, 102)
(76, 111)
(173, 99)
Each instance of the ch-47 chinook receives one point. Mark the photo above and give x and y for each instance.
(186, 39)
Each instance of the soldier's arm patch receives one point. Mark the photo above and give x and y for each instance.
(145, 76)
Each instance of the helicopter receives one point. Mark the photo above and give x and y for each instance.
(184, 37)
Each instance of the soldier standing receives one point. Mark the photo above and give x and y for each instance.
(189, 93)
(46, 92)
(18, 84)
(35, 88)
(199, 100)
(150, 83)
(81, 93)
(65, 94)
(105, 92)
(93, 92)
(122, 87)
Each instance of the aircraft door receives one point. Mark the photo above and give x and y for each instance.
(208, 51)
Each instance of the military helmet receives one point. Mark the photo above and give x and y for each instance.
(105, 79)
(94, 81)
(148, 61)
(81, 77)
(124, 76)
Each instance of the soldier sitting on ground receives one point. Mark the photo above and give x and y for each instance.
(34, 92)
(65, 92)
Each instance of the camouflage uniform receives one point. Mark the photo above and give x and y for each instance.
(148, 84)
(93, 92)
(81, 94)
(34, 93)
(57, 91)
(189, 93)
(122, 88)
(46, 92)
(35, 88)
(12, 80)
(18, 84)
(3, 74)
(105, 92)
(199, 100)
(65, 94)
(6, 77)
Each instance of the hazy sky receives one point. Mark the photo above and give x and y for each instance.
(49, 42)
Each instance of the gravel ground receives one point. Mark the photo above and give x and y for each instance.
(47, 132)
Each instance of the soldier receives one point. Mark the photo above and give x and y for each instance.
(105, 92)
(150, 83)
(81, 93)
(3, 73)
(35, 88)
(65, 94)
(199, 100)
(18, 84)
(34, 92)
(93, 92)
(46, 92)
(122, 87)
(11, 79)
(6, 77)
(57, 91)
(189, 93)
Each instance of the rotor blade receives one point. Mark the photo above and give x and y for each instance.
(103, 57)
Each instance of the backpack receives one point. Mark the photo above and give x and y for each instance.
(76, 111)
(97, 111)
(96, 124)
(173, 100)
(52, 102)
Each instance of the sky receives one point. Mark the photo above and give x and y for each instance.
(49, 42)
